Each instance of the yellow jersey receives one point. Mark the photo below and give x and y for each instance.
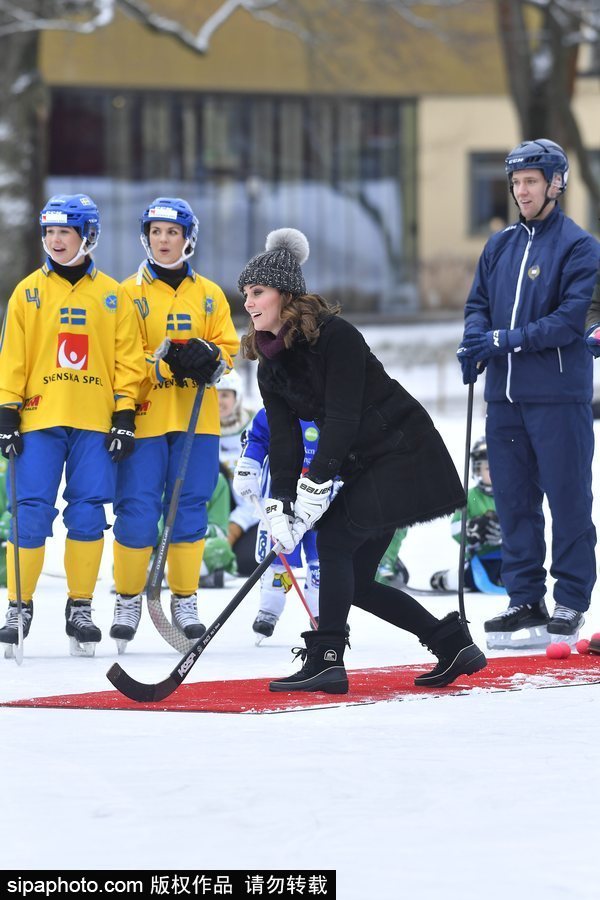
(70, 355)
(198, 308)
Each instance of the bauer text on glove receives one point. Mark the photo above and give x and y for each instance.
(312, 500)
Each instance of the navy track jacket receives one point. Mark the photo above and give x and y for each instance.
(538, 278)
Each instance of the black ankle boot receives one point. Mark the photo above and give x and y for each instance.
(323, 668)
(457, 655)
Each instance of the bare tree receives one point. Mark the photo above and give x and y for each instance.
(541, 54)
(24, 100)
(542, 42)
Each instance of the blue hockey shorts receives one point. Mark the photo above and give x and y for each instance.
(89, 484)
(145, 483)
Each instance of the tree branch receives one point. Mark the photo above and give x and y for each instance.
(102, 13)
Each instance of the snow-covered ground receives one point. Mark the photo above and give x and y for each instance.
(484, 796)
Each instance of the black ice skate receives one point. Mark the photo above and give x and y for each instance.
(128, 612)
(184, 615)
(438, 580)
(9, 633)
(81, 630)
(452, 643)
(214, 579)
(565, 624)
(323, 668)
(519, 628)
(264, 625)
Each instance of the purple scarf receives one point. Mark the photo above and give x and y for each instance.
(271, 345)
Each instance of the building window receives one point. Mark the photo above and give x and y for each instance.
(489, 196)
(339, 169)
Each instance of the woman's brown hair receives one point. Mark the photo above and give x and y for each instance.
(302, 315)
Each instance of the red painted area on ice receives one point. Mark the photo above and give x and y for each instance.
(366, 686)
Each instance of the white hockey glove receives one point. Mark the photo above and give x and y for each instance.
(246, 478)
(285, 529)
(312, 500)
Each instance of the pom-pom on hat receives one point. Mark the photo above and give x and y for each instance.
(286, 249)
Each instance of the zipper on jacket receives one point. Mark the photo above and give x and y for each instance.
(560, 368)
(513, 317)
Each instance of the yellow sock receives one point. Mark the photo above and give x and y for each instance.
(130, 568)
(82, 563)
(183, 567)
(31, 560)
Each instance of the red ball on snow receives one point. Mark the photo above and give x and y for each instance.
(560, 650)
(583, 646)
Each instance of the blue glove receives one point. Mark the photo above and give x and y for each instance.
(471, 368)
(491, 343)
(592, 340)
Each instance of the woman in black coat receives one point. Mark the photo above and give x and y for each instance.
(374, 436)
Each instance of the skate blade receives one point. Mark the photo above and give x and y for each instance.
(121, 646)
(9, 651)
(570, 639)
(84, 649)
(524, 639)
(259, 639)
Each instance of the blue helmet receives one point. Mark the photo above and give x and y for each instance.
(76, 211)
(171, 209)
(541, 154)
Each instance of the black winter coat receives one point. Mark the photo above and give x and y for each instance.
(373, 434)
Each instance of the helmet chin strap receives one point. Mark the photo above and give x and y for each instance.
(185, 254)
(542, 207)
(84, 249)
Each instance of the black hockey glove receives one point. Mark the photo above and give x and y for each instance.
(120, 440)
(200, 361)
(171, 358)
(11, 440)
(484, 529)
(492, 533)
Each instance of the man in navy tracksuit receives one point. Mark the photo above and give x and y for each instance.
(525, 320)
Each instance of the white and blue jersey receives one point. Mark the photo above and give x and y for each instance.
(257, 448)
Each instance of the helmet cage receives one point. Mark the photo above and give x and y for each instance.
(479, 458)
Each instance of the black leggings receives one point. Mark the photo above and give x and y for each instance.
(349, 558)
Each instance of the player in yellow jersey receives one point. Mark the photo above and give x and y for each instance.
(71, 363)
(172, 302)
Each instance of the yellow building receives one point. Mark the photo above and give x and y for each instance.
(381, 140)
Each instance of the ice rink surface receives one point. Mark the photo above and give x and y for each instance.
(481, 797)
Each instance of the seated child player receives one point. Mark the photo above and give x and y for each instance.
(219, 557)
(483, 557)
(252, 480)
(391, 569)
(242, 521)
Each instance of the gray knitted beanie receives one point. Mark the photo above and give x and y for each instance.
(286, 249)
